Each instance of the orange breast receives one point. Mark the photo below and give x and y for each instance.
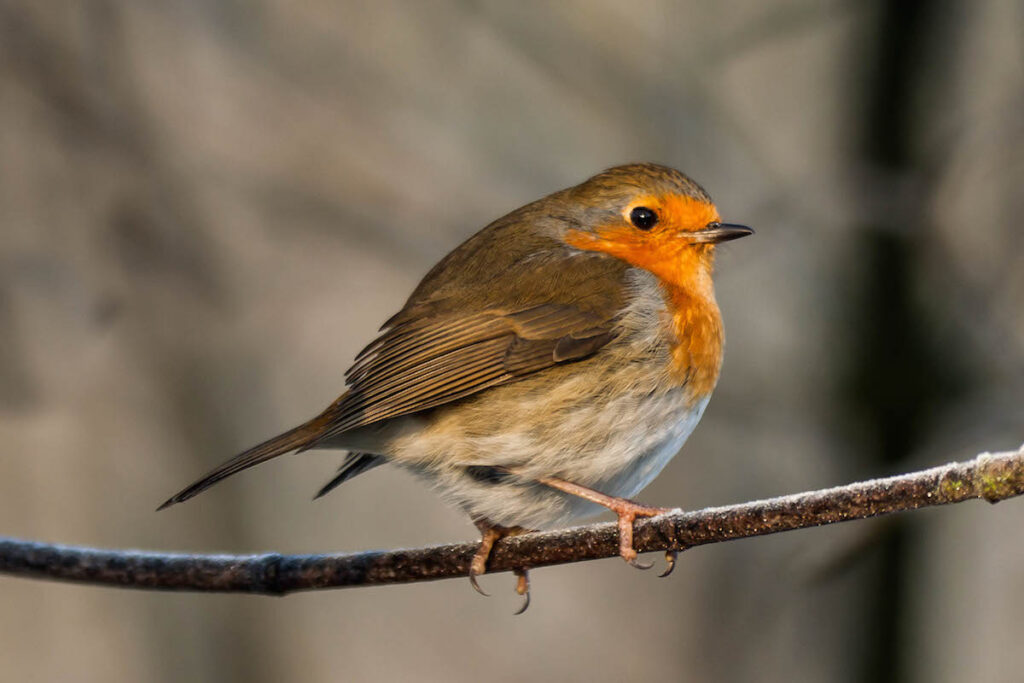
(684, 271)
(697, 353)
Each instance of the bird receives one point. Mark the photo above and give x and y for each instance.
(547, 368)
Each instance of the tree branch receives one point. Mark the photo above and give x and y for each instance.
(989, 477)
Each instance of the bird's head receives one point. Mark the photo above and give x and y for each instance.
(653, 217)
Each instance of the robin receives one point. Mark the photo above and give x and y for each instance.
(549, 366)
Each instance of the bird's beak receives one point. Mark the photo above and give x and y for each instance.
(719, 232)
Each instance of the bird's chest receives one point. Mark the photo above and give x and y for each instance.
(670, 358)
(626, 412)
(695, 325)
(673, 334)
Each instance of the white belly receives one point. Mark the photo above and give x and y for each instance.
(617, 449)
(649, 464)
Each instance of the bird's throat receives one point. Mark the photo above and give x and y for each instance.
(684, 273)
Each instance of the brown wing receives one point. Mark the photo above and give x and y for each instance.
(406, 371)
(450, 351)
(464, 330)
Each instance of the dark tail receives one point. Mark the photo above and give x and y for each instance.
(291, 440)
(355, 463)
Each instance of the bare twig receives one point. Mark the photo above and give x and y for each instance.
(989, 477)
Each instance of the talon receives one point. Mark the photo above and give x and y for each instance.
(523, 588)
(638, 564)
(526, 604)
(476, 586)
(629, 554)
(670, 562)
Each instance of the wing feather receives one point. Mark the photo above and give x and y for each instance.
(443, 347)
(404, 378)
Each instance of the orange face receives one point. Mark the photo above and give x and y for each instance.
(670, 248)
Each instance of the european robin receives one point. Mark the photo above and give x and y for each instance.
(552, 364)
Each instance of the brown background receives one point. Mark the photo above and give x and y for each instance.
(207, 208)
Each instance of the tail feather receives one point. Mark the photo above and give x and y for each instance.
(291, 440)
(355, 463)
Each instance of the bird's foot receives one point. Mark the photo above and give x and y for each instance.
(627, 512)
(489, 535)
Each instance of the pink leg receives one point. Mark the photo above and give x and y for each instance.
(627, 512)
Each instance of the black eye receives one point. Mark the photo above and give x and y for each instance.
(643, 218)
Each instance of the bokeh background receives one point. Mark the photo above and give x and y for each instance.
(208, 207)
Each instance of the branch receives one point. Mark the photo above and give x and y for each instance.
(989, 477)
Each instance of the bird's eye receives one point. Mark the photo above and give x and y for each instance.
(643, 218)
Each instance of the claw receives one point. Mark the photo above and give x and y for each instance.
(670, 562)
(476, 586)
(526, 604)
(523, 589)
(633, 562)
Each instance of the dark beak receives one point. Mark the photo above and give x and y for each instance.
(719, 232)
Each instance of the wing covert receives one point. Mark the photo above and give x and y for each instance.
(562, 308)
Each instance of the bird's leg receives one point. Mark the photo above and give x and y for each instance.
(490, 533)
(627, 512)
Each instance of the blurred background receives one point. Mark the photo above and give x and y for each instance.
(208, 207)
